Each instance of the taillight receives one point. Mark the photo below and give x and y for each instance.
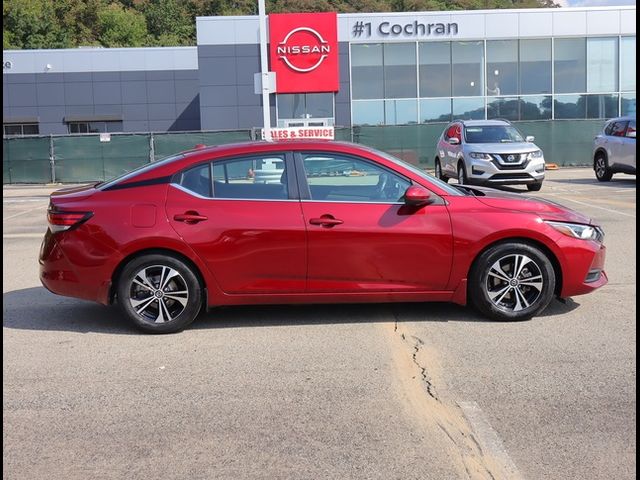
(60, 220)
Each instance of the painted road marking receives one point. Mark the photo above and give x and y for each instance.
(25, 199)
(4, 219)
(23, 235)
(489, 441)
(594, 206)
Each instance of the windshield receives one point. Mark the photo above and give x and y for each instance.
(143, 168)
(492, 134)
(418, 171)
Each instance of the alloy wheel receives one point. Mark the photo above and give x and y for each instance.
(514, 282)
(158, 294)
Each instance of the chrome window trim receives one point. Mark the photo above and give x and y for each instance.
(194, 194)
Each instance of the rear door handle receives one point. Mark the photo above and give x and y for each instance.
(189, 217)
(326, 221)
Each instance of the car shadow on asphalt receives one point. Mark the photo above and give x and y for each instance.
(616, 182)
(37, 309)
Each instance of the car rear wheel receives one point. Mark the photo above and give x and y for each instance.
(438, 172)
(534, 187)
(159, 293)
(601, 167)
(462, 174)
(512, 281)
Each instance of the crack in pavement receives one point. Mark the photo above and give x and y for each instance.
(418, 373)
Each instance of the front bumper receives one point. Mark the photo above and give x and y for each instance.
(484, 172)
(582, 267)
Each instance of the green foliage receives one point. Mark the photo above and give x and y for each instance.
(134, 23)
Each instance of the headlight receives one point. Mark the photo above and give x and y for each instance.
(480, 156)
(536, 154)
(577, 230)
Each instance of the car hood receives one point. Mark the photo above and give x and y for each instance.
(546, 209)
(520, 147)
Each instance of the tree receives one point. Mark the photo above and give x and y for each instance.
(121, 27)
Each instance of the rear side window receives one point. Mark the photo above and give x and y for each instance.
(618, 129)
(198, 180)
(254, 178)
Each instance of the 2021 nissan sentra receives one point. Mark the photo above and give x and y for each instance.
(345, 223)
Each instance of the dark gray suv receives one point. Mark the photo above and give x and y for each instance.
(488, 152)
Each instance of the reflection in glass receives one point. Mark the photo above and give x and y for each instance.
(319, 105)
(400, 112)
(535, 66)
(290, 105)
(602, 65)
(628, 64)
(535, 108)
(368, 113)
(367, 76)
(435, 69)
(468, 108)
(468, 62)
(502, 67)
(570, 65)
(435, 110)
(400, 70)
(628, 104)
(570, 106)
(602, 106)
(507, 108)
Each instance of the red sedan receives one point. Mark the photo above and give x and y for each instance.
(328, 222)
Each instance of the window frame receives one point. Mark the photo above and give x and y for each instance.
(305, 192)
(292, 186)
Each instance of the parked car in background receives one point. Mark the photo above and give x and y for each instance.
(344, 223)
(614, 149)
(488, 152)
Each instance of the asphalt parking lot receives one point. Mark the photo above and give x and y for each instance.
(411, 391)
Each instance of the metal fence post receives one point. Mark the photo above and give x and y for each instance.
(152, 151)
(52, 159)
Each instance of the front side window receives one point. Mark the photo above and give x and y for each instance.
(337, 178)
(256, 178)
(618, 129)
(631, 129)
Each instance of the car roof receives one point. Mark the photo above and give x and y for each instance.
(264, 146)
(622, 119)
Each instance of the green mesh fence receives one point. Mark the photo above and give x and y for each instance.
(172, 143)
(26, 160)
(84, 158)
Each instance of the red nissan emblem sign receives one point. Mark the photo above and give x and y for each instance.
(304, 52)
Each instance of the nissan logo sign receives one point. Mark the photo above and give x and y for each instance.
(303, 49)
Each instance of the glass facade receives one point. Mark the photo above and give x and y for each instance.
(528, 79)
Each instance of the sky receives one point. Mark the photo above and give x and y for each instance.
(593, 3)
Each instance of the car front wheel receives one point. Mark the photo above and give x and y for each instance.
(601, 167)
(462, 174)
(438, 172)
(159, 293)
(512, 281)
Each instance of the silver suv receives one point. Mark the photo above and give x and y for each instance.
(488, 152)
(614, 149)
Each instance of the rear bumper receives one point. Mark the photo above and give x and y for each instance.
(60, 276)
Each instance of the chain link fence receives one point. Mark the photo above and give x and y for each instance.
(95, 157)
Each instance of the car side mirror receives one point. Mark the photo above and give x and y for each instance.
(530, 138)
(454, 141)
(417, 196)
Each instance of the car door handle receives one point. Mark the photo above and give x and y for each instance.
(326, 221)
(189, 217)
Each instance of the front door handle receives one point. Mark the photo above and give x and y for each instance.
(326, 221)
(189, 217)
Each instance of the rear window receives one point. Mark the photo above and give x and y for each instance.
(144, 168)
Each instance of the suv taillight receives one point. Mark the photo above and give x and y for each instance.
(60, 220)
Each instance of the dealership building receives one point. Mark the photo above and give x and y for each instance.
(341, 70)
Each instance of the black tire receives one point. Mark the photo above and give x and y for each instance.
(462, 174)
(492, 289)
(438, 172)
(601, 167)
(534, 187)
(178, 309)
